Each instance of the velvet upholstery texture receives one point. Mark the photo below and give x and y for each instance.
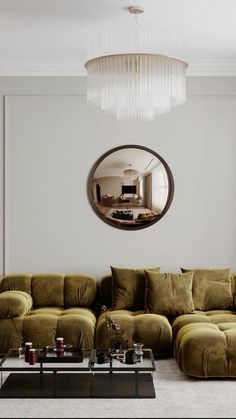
(15, 303)
(76, 325)
(16, 282)
(169, 294)
(105, 290)
(9, 337)
(48, 290)
(153, 330)
(213, 316)
(128, 288)
(204, 340)
(80, 290)
(207, 350)
(233, 287)
(211, 289)
(50, 317)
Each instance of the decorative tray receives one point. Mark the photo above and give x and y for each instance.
(52, 354)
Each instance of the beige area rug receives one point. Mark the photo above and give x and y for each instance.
(176, 397)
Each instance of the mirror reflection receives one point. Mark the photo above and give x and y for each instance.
(131, 187)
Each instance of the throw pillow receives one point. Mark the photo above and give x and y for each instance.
(169, 294)
(211, 289)
(128, 288)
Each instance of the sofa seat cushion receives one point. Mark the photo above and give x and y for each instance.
(207, 349)
(63, 312)
(153, 330)
(81, 311)
(47, 310)
(15, 303)
(43, 325)
(77, 329)
(9, 334)
(213, 316)
(40, 329)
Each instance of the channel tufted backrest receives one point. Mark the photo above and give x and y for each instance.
(80, 290)
(54, 290)
(47, 290)
(16, 282)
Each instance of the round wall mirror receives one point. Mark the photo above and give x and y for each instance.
(130, 187)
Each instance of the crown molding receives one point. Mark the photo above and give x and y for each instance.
(42, 68)
(76, 68)
(212, 68)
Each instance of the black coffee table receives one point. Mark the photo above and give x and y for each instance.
(86, 379)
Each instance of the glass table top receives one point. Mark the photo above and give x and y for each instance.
(89, 362)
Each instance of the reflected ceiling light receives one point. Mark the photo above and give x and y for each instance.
(130, 171)
(133, 85)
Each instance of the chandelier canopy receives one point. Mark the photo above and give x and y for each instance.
(136, 85)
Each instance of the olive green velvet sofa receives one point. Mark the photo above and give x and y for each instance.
(43, 307)
(40, 308)
(202, 340)
(136, 325)
(205, 340)
(191, 316)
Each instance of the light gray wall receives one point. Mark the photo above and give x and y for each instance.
(52, 139)
(110, 185)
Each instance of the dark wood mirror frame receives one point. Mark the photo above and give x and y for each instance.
(125, 224)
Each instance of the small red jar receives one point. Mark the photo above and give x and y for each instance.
(32, 356)
(28, 346)
(60, 343)
(59, 351)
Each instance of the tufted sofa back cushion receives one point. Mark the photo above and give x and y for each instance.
(48, 290)
(79, 290)
(16, 282)
(54, 290)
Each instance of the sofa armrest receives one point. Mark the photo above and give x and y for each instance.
(15, 303)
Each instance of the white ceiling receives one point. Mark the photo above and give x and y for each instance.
(42, 37)
(113, 165)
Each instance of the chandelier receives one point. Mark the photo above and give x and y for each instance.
(135, 85)
(130, 171)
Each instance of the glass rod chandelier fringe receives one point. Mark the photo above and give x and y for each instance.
(126, 81)
(136, 86)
